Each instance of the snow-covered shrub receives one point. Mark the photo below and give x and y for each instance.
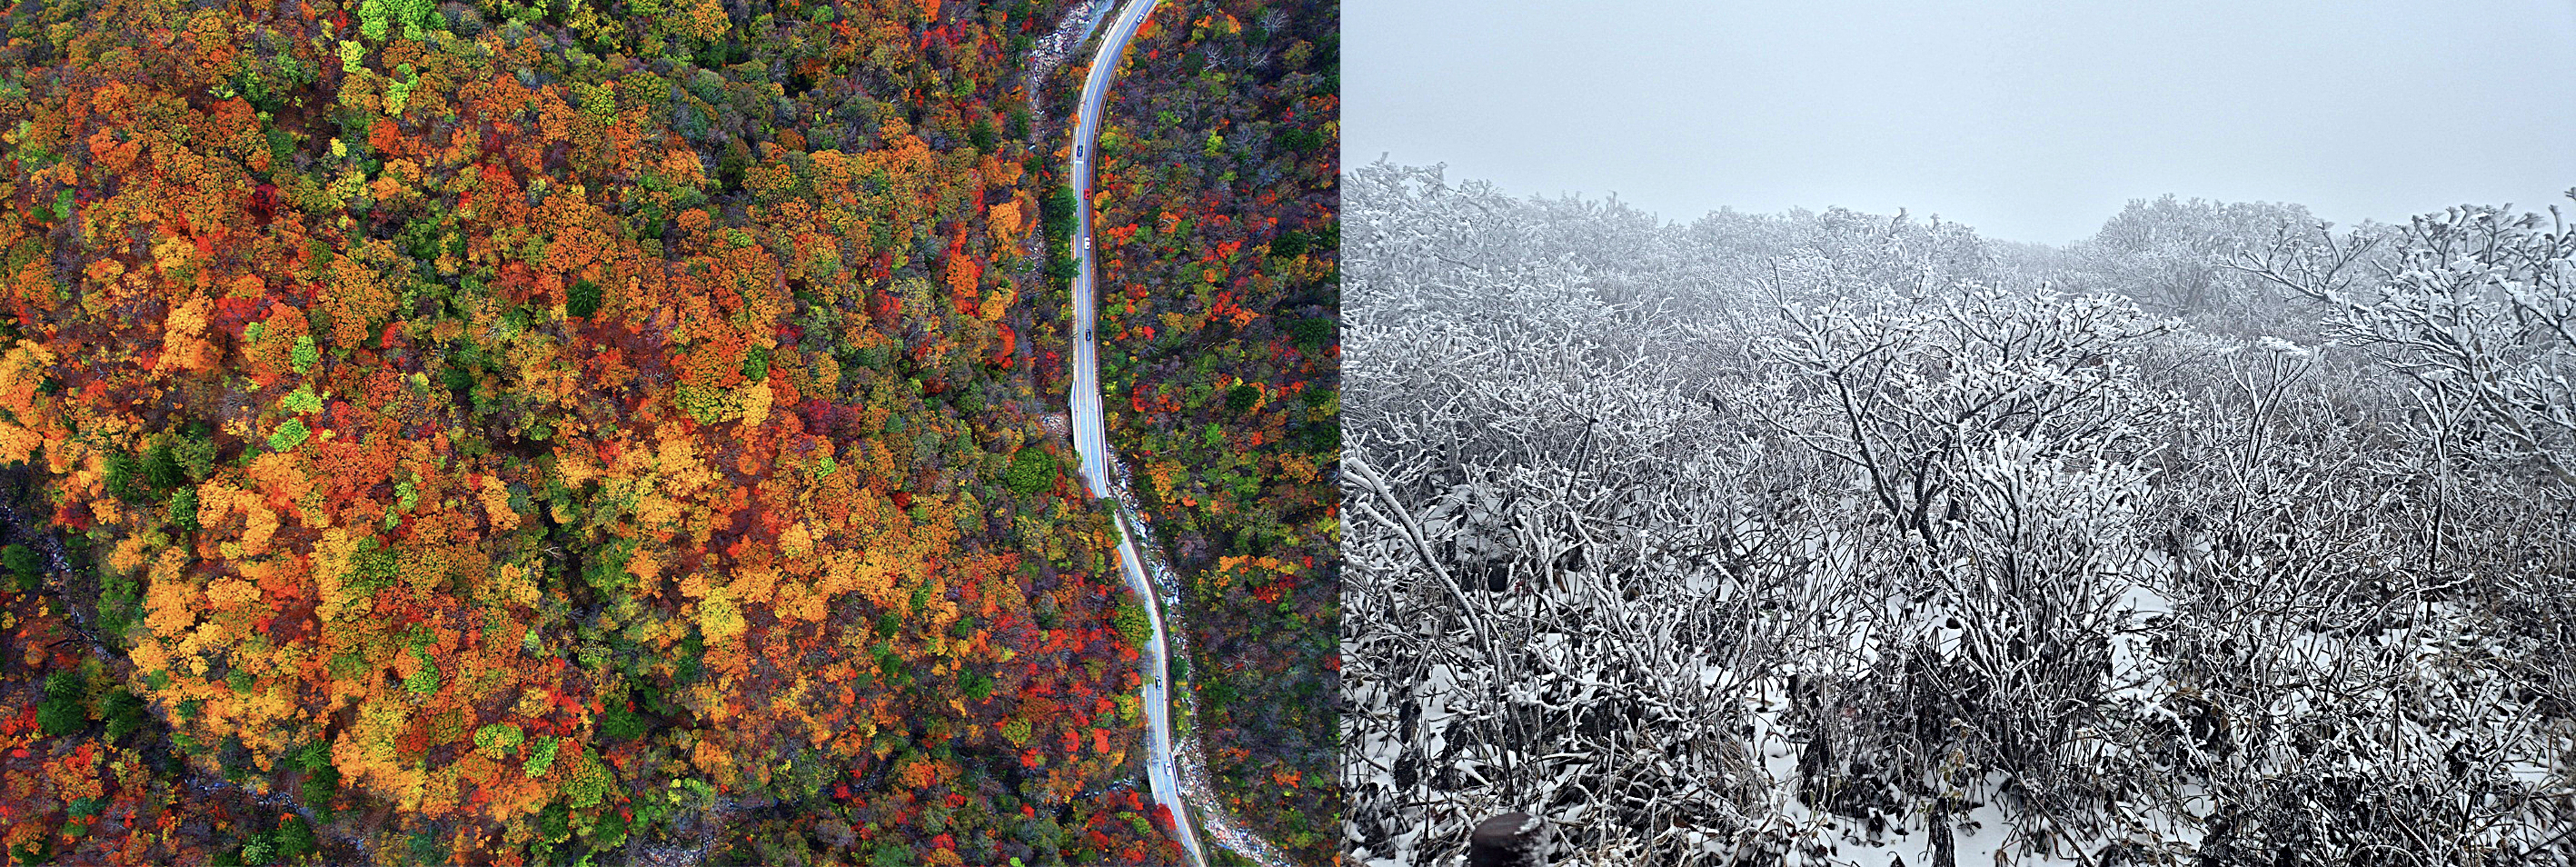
(1827, 538)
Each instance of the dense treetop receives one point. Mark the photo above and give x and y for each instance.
(505, 431)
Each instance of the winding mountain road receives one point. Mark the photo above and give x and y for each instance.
(1174, 771)
(1091, 440)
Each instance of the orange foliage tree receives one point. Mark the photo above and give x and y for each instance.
(483, 428)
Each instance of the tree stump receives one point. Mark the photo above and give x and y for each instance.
(1509, 840)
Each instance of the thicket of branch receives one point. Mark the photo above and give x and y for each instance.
(2224, 537)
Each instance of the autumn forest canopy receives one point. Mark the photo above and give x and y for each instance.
(518, 433)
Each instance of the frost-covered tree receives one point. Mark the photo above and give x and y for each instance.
(2477, 310)
(1788, 539)
(2173, 256)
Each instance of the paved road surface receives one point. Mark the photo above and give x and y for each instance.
(1175, 774)
(1093, 444)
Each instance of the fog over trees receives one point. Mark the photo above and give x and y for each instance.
(2223, 537)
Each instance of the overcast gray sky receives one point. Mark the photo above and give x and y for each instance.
(2031, 120)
